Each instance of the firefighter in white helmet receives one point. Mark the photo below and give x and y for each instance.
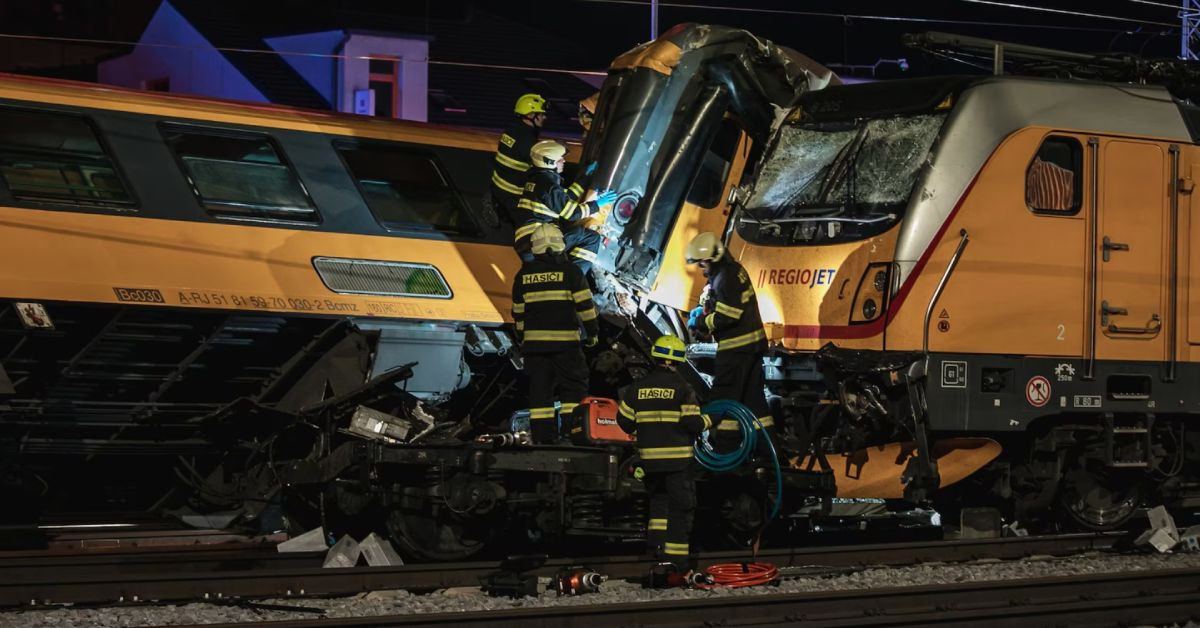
(555, 320)
(547, 201)
(730, 314)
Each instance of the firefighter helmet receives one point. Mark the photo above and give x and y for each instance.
(546, 153)
(705, 247)
(530, 103)
(669, 348)
(546, 238)
(587, 111)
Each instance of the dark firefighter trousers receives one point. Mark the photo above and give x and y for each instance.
(672, 512)
(739, 376)
(561, 376)
(582, 245)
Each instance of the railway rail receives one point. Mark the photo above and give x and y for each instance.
(1162, 596)
(223, 574)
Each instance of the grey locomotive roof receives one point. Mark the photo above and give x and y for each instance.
(991, 109)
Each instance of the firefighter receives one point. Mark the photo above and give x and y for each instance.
(551, 302)
(661, 409)
(512, 153)
(547, 201)
(730, 314)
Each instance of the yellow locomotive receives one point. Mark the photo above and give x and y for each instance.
(972, 281)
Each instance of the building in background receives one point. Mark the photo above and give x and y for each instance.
(441, 71)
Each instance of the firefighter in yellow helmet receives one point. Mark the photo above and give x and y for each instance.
(512, 153)
(730, 314)
(661, 409)
(547, 201)
(551, 305)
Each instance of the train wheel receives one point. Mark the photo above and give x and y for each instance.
(349, 508)
(1100, 498)
(742, 513)
(457, 524)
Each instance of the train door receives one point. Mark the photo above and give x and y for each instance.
(1130, 240)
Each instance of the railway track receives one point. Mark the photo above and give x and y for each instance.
(1152, 597)
(241, 573)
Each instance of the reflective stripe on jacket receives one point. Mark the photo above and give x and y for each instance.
(511, 165)
(661, 410)
(733, 316)
(551, 303)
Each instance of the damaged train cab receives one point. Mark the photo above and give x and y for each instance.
(978, 289)
(678, 120)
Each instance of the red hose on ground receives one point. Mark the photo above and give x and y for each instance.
(740, 575)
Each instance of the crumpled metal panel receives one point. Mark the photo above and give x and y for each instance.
(659, 110)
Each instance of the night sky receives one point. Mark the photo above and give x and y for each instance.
(845, 32)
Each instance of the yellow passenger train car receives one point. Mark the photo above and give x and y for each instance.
(163, 255)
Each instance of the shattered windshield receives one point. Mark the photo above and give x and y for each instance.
(857, 174)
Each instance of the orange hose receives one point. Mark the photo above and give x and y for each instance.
(735, 575)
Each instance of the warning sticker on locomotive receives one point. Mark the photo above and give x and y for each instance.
(33, 316)
(954, 374)
(1086, 401)
(1037, 391)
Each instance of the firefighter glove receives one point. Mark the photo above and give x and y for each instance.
(606, 197)
(590, 169)
(695, 316)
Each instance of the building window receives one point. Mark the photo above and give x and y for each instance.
(240, 175)
(405, 187)
(1054, 179)
(384, 81)
(157, 85)
(59, 159)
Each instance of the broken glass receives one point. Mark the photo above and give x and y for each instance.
(857, 170)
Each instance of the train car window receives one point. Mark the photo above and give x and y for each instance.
(1054, 179)
(58, 158)
(240, 175)
(405, 187)
(714, 169)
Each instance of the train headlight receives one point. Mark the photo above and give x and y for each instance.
(870, 300)
(623, 209)
(869, 310)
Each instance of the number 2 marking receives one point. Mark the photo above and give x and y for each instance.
(1062, 329)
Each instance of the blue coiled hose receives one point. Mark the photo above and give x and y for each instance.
(724, 462)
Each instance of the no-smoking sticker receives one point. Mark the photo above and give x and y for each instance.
(1037, 391)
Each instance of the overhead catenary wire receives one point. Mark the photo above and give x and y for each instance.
(1098, 16)
(1175, 6)
(902, 18)
(293, 53)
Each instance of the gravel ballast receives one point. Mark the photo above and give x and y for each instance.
(472, 599)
